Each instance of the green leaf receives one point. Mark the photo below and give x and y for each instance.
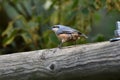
(85, 10)
(8, 30)
(27, 37)
(9, 39)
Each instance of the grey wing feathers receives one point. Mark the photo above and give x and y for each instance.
(65, 29)
(68, 30)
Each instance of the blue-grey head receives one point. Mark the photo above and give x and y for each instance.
(55, 28)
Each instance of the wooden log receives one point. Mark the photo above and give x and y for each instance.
(98, 61)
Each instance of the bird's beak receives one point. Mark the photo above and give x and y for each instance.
(50, 28)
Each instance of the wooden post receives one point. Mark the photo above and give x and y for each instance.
(97, 61)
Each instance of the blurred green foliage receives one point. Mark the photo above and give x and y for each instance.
(25, 24)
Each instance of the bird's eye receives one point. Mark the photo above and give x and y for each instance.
(55, 26)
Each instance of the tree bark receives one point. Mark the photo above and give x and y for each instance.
(98, 61)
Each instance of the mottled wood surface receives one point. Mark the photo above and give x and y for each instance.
(98, 61)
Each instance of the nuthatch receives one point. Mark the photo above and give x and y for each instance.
(65, 34)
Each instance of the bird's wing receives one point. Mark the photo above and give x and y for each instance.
(67, 30)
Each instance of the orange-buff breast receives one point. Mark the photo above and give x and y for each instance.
(68, 37)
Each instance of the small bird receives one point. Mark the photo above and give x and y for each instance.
(65, 34)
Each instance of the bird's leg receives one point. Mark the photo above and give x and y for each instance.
(60, 45)
(75, 43)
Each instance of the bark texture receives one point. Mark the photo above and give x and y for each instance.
(98, 61)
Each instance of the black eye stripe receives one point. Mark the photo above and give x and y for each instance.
(55, 26)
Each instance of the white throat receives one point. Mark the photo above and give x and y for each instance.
(55, 29)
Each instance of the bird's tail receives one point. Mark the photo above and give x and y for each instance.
(84, 35)
(81, 34)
